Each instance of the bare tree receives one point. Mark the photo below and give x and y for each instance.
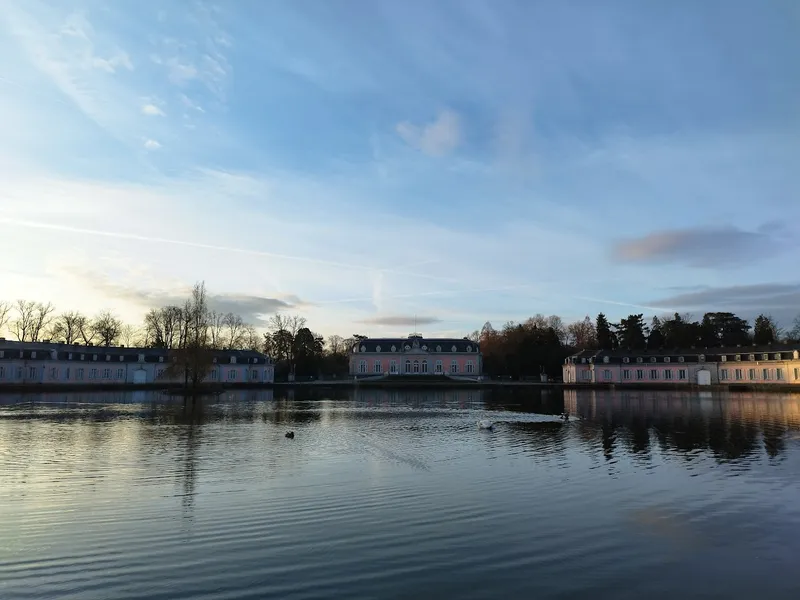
(162, 326)
(336, 345)
(88, 335)
(42, 317)
(192, 359)
(283, 331)
(582, 334)
(22, 325)
(5, 312)
(216, 326)
(251, 339)
(66, 327)
(107, 328)
(130, 336)
(234, 330)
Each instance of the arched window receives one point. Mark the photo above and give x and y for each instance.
(362, 366)
(454, 366)
(424, 366)
(438, 366)
(408, 366)
(470, 367)
(416, 366)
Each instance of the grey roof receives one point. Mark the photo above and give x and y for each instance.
(689, 355)
(111, 354)
(444, 345)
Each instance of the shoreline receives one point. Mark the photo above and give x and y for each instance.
(177, 389)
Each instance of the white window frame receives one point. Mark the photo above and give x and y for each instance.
(376, 367)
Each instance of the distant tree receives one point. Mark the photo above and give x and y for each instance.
(192, 359)
(216, 327)
(631, 332)
(5, 312)
(680, 331)
(130, 336)
(655, 339)
(724, 329)
(606, 340)
(793, 335)
(307, 352)
(765, 330)
(66, 327)
(251, 339)
(234, 330)
(581, 335)
(107, 328)
(33, 319)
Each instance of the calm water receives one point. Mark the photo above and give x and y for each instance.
(399, 495)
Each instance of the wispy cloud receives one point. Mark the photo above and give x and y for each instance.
(703, 247)
(152, 110)
(152, 144)
(438, 138)
(401, 320)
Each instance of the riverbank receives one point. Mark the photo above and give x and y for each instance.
(398, 383)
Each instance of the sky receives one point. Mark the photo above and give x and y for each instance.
(372, 164)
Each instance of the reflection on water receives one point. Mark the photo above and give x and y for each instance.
(399, 494)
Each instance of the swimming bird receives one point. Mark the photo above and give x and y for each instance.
(290, 435)
(485, 424)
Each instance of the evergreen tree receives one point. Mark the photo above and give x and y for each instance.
(656, 338)
(631, 332)
(724, 329)
(606, 340)
(765, 330)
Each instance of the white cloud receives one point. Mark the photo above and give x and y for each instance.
(152, 110)
(436, 139)
(152, 145)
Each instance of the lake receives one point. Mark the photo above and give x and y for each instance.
(398, 494)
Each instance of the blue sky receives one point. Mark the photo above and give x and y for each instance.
(363, 162)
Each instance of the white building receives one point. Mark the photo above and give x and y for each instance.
(28, 363)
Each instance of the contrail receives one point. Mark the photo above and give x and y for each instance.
(160, 240)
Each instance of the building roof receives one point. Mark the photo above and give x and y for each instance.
(415, 343)
(710, 354)
(112, 354)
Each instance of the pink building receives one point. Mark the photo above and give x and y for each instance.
(775, 364)
(415, 355)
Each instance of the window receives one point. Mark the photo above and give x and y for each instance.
(254, 375)
(408, 366)
(393, 367)
(626, 360)
(765, 356)
(779, 374)
(796, 373)
(231, 374)
(121, 358)
(470, 367)
(19, 372)
(377, 348)
(583, 361)
(438, 348)
(778, 356)
(739, 357)
(108, 357)
(159, 373)
(653, 374)
(3, 373)
(682, 374)
(765, 374)
(607, 374)
(2, 353)
(33, 354)
(394, 348)
(106, 373)
(94, 357)
(680, 359)
(83, 356)
(214, 375)
(668, 374)
(79, 375)
(66, 374)
(424, 366)
(653, 359)
(638, 359)
(723, 358)
(69, 356)
(362, 366)
(32, 373)
(751, 374)
(752, 357)
(376, 367)
(438, 366)
(587, 375)
(453, 348)
(416, 366)
(640, 374)
(93, 374)
(469, 348)
(54, 373)
(454, 367)
(626, 374)
(701, 358)
(723, 374)
(605, 359)
(737, 374)
(666, 359)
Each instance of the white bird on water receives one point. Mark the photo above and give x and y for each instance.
(485, 424)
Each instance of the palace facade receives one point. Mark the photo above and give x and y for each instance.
(416, 355)
(23, 363)
(772, 364)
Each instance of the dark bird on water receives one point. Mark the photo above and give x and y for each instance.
(290, 435)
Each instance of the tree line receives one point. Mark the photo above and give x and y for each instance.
(528, 349)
